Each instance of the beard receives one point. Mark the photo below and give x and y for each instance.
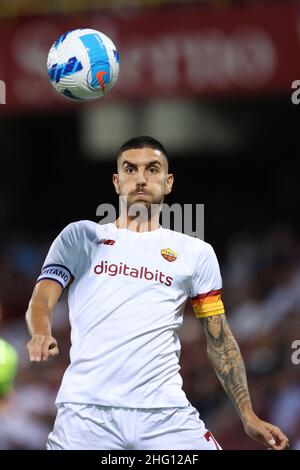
(141, 210)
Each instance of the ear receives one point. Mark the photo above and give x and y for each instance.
(169, 183)
(115, 180)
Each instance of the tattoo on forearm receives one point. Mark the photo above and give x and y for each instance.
(224, 353)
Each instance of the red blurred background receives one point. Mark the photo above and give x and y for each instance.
(213, 81)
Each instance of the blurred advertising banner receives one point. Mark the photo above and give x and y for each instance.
(190, 52)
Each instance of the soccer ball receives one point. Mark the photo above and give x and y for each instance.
(83, 64)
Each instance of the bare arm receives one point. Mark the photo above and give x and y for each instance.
(38, 317)
(224, 354)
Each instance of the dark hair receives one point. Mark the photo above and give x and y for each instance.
(141, 142)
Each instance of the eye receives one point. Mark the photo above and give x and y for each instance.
(153, 170)
(129, 169)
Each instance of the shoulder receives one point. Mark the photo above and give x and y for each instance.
(194, 245)
(82, 225)
(87, 230)
(80, 229)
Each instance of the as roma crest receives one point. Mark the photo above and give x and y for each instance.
(169, 254)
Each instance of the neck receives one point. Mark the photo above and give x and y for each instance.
(136, 225)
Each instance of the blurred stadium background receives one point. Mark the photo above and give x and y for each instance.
(212, 80)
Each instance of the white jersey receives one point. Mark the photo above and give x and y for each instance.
(126, 301)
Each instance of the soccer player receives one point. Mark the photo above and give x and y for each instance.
(129, 281)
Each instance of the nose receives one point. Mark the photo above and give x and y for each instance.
(141, 180)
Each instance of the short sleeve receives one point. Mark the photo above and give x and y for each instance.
(207, 285)
(61, 260)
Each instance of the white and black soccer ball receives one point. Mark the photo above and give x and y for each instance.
(83, 64)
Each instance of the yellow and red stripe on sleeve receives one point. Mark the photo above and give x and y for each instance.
(208, 304)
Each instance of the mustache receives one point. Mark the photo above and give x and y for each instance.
(143, 191)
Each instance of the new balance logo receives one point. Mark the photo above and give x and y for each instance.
(106, 241)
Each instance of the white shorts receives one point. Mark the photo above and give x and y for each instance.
(90, 427)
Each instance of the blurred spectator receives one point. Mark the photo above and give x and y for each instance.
(26, 411)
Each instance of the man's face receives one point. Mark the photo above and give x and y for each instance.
(143, 177)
